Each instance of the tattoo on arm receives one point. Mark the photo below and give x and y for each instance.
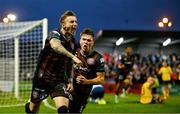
(58, 47)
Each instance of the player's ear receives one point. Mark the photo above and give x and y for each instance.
(62, 24)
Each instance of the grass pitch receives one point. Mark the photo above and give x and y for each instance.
(129, 104)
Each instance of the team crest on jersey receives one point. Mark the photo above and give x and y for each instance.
(90, 61)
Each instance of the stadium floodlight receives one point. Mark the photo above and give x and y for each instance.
(167, 41)
(161, 24)
(6, 20)
(119, 41)
(11, 17)
(169, 24)
(165, 20)
(164, 23)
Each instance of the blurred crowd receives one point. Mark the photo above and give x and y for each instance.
(144, 66)
(149, 71)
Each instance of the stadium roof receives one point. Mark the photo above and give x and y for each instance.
(108, 38)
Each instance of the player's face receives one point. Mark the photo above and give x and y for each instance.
(164, 63)
(151, 80)
(70, 25)
(129, 51)
(86, 43)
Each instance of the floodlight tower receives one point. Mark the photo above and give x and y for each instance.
(164, 23)
(9, 18)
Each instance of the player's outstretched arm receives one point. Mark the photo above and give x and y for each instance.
(58, 47)
(98, 80)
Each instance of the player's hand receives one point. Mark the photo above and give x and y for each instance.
(121, 66)
(70, 87)
(81, 79)
(77, 61)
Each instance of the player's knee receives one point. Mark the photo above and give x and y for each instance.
(27, 109)
(62, 109)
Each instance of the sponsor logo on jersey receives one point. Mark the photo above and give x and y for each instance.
(90, 61)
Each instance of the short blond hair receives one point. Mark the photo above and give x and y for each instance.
(65, 15)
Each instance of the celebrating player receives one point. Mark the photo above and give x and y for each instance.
(91, 72)
(54, 66)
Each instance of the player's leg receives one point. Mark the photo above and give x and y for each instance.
(36, 97)
(169, 89)
(117, 88)
(129, 85)
(61, 97)
(97, 93)
(158, 99)
(62, 104)
(76, 106)
(165, 90)
(32, 108)
(116, 97)
(126, 87)
(118, 81)
(73, 105)
(39, 93)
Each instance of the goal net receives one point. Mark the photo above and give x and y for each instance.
(20, 44)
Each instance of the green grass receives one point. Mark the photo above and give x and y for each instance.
(129, 104)
(8, 98)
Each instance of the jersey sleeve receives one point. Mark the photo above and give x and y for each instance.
(160, 71)
(122, 59)
(100, 64)
(53, 34)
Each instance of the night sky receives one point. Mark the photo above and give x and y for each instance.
(98, 14)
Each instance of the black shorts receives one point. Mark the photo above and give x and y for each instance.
(166, 82)
(42, 89)
(121, 76)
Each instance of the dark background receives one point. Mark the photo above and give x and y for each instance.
(98, 14)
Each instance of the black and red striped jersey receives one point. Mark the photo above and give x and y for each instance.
(128, 61)
(51, 65)
(92, 64)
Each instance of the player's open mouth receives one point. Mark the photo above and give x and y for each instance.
(85, 46)
(74, 29)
